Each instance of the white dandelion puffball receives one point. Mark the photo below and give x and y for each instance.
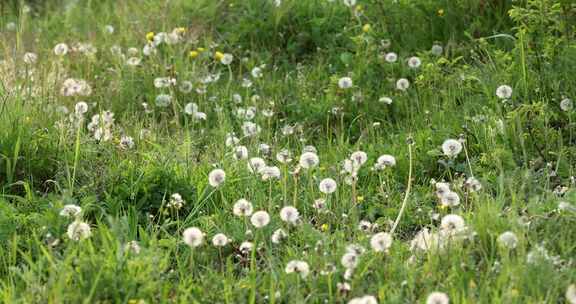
(402, 84)
(163, 100)
(30, 58)
(309, 160)
(78, 230)
(227, 59)
(327, 186)
(61, 49)
(270, 172)
(256, 72)
(385, 100)
(359, 158)
(81, 108)
(299, 267)
(260, 219)
(132, 247)
(504, 92)
(452, 224)
(278, 236)
(566, 105)
(220, 240)
(381, 241)
(256, 164)
(364, 300)
(345, 83)
(289, 214)
(349, 260)
(126, 142)
(414, 62)
(193, 237)
(437, 297)
(240, 153)
(451, 147)
(391, 57)
(508, 239)
(437, 50)
(349, 3)
(385, 161)
(216, 177)
(70, 210)
(450, 199)
(473, 184)
(242, 207)
(571, 294)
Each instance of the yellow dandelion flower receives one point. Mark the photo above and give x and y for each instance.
(200, 49)
(359, 198)
(218, 55)
(440, 12)
(366, 28)
(324, 227)
(180, 30)
(193, 54)
(150, 36)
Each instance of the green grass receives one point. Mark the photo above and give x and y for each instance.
(522, 150)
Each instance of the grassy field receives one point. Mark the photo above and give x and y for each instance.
(288, 151)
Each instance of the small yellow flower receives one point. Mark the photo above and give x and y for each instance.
(200, 49)
(440, 12)
(366, 28)
(180, 30)
(359, 8)
(193, 54)
(324, 227)
(150, 36)
(359, 198)
(218, 55)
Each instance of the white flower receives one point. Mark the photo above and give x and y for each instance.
(425, 241)
(414, 62)
(242, 207)
(81, 108)
(299, 267)
(246, 247)
(78, 230)
(260, 219)
(270, 173)
(30, 58)
(385, 161)
(193, 237)
(571, 294)
(349, 3)
(349, 260)
(70, 211)
(442, 188)
(504, 92)
(385, 100)
(450, 199)
(250, 129)
(289, 214)
(345, 83)
(508, 239)
(227, 59)
(240, 152)
(364, 300)
(164, 82)
(132, 247)
(402, 84)
(473, 184)
(437, 297)
(391, 57)
(437, 50)
(216, 177)
(133, 61)
(220, 240)
(284, 156)
(327, 186)
(359, 158)
(61, 49)
(126, 142)
(381, 241)
(176, 201)
(451, 147)
(163, 100)
(566, 105)
(452, 224)
(185, 86)
(231, 140)
(256, 72)
(278, 236)
(256, 164)
(309, 160)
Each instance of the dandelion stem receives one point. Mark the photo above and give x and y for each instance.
(407, 193)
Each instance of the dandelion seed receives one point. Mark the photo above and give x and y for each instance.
(284, 156)
(78, 230)
(242, 207)
(256, 72)
(402, 84)
(260, 219)
(359, 158)
(299, 267)
(193, 237)
(309, 160)
(70, 211)
(278, 236)
(61, 49)
(250, 129)
(437, 50)
(508, 239)
(349, 260)
(163, 100)
(504, 92)
(126, 142)
(246, 247)
(220, 240)
(226, 59)
(566, 105)
(327, 186)
(290, 215)
(319, 204)
(256, 164)
(385, 161)
(216, 177)
(425, 241)
(451, 147)
(30, 58)
(452, 224)
(391, 57)
(109, 29)
(345, 83)
(414, 62)
(240, 152)
(450, 199)
(80, 108)
(176, 201)
(185, 87)
(437, 297)
(381, 242)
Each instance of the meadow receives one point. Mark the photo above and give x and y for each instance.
(287, 151)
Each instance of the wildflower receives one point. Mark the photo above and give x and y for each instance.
(364, 300)
(319, 204)
(359, 158)
(193, 237)
(75, 87)
(30, 58)
(70, 210)
(193, 54)
(452, 225)
(220, 240)
(132, 247)
(349, 260)
(345, 83)
(226, 59)
(78, 230)
(246, 247)
(250, 129)
(299, 267)
(126, 142)
(425, 241)
(270, 173)
(451, 147)
(414, 62)
(61, 49)
(284, 156)
(566, 105)
(240, 152)
(450, 199)
(381, 241)
(327, 186)
(176, 201)
(504, 92)
(437, 50)
(278, 236)
(472, 184)
(80, 108)
(402, 84)
(256, 164)
(571, 294)
(508, 239)
(256, 72)
(216, 177)
(309, 160)
(437, 297)
(385, 161)
(385, 100)
(391, 57)
(185, 87)
(242, 207)
(133, 61)
(366, 28)
(163, 100)
(150, 36)
(349, 3)
(289, 214)
(260, 219)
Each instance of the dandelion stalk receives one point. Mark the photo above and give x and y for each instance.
(408, 188)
